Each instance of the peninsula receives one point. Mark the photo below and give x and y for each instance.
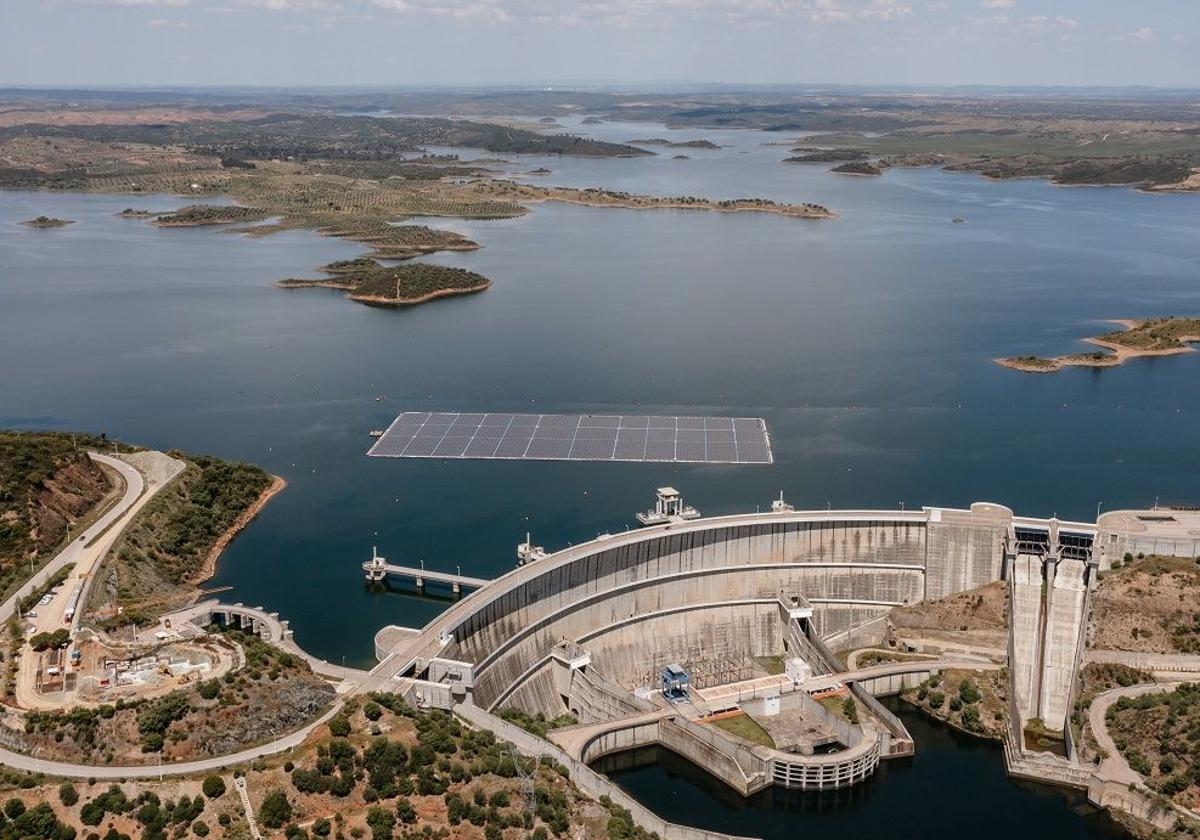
(1151, 337)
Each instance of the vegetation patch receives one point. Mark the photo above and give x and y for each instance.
(47, 222)
(167, 546)
(1159, 735)
(47, 485)
(745, 727)
(975, 702)
(198, 215)
(538, 724)
(1148, 604)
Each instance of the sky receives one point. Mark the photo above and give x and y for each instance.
(155, 43)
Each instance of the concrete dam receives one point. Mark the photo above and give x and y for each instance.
(591, 630)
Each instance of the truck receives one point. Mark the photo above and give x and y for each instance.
(73, 603)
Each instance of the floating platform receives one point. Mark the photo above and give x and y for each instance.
(576, 437)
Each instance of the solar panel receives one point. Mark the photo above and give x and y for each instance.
(576, 437)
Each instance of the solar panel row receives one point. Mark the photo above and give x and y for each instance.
(576, 437)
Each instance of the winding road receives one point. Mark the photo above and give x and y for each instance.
(85, 551)
(1114, 767)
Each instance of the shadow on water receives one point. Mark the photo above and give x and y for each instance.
(954, 783)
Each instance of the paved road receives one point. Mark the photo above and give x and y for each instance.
(573, 739)
(1114, 767)
(33, 764)
(85, 546)
(84, 552)
(1159, 663)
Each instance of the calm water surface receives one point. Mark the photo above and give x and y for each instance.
(865, 343)
(954, 787)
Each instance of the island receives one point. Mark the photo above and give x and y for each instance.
(857, 167)
(598, 197)
(672, 144)
(47, 222)
(807, 155)
(1151, 337)
(198, 215)
(398, 242)
(406, 285)
(591, 121)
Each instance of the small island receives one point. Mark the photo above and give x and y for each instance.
(682, 144)
(131, 213)
(47, 222)
(858, 167)
(406, 285)
(541, 170)
(198, 215)
(591, 121)
(810, 155)
(1151, 337)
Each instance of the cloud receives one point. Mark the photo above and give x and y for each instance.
(289, 5)
(632, 12)
(171, 3)
(998, 4)
(163, 23)
(1145, 33)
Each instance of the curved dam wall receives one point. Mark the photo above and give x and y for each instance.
(709, 586)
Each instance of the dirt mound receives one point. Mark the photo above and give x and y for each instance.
(1151, 606)
(985, 608)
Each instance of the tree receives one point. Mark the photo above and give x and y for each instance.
(67, 794)
(405, 812)
(381, 821)
(275, 809)
(214, 787)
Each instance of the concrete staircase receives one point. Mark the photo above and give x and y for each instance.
(239, 782)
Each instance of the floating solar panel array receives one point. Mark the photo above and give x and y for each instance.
(576, 437)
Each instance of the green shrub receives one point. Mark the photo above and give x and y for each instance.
(275, 809)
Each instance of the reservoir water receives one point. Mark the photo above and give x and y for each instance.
(954, 786)
(864, 341)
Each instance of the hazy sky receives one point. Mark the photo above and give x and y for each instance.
(423, 42)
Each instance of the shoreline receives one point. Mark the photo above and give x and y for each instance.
(209, 567)
(1118, 353)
